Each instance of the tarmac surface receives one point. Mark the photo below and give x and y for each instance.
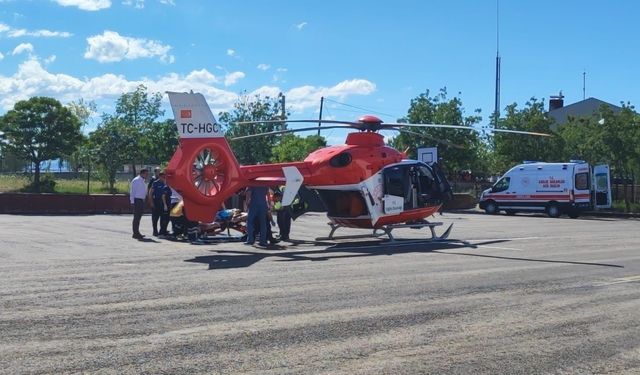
(506, 295)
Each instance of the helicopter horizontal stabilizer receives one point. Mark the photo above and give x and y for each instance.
(193, 116)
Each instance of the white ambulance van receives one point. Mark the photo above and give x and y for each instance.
(554, 188)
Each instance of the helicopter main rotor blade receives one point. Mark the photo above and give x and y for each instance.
(427, 136)
(394, 125)
(290, 131)
(307, 121)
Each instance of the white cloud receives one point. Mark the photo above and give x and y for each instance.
(277, 77)
(202, 75)
(50, 59)
(303, 97)
(167, 2)
(138, 4)
(90, 5)
(264, 66)
(301, 25)
(112, 47)
(232, 78)
(1, 56)
(231, 52)
(265, 91)
(32, 79)
(22, 47)
(15, 33)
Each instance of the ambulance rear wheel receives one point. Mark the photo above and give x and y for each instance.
(573, 214)
(491, 208)
(553, 210)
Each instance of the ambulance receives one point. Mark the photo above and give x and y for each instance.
(554, 188)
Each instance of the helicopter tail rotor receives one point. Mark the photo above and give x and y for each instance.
(203, 169)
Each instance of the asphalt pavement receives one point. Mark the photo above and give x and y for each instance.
(506, 295)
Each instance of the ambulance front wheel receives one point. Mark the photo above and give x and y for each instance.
(491, 208)
(553, 210)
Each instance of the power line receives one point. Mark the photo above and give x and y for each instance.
(361, 108)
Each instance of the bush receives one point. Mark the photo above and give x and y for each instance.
(47, 185)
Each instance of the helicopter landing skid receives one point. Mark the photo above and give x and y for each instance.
(386, 230)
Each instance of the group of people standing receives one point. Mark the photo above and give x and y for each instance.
(260, 203)
(260, 206)
(161, 198)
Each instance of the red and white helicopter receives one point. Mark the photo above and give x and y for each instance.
(363, 183)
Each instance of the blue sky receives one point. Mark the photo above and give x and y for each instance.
(372, 54)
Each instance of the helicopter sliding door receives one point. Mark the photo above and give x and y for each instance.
(398, 185)
(418, 184)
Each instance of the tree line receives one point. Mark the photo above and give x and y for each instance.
(41, 128)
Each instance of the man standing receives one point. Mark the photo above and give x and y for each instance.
(137, 195)
(155, 216)
(283, 215)
(160, 203)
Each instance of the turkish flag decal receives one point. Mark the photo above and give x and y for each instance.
(185, 113)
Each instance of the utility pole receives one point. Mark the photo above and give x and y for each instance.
(320, 117)
(283, 112)
(496, 111)
(584, 84)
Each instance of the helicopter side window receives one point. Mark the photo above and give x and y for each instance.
(394, 182)
(501, 185)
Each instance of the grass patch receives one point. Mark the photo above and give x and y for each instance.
(17, 183)
(621, 207)
(13, 183)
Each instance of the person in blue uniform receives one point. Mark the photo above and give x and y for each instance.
(160, 204)
(257, 210)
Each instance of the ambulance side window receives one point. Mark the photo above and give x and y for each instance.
(501, 185)
(582, 181)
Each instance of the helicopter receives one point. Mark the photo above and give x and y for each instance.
(362, 184)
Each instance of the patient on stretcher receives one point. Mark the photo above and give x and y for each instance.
(225, 219)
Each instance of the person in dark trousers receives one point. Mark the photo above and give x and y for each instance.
(154, 215)
(257, 209)
(283, 216)
(160, 203)
(137, 195)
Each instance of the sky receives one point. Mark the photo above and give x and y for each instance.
(365, 57)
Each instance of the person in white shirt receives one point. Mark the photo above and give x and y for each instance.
(137, 195)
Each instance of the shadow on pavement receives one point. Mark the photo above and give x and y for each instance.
(241, 259)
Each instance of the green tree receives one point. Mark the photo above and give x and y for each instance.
(511, 149)
(295, 148)
(107, 143)
(161, 141)
(460, 149)
(83, 111)
(259, 149)
(606, 137)
(136, 113)
(40, 129)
